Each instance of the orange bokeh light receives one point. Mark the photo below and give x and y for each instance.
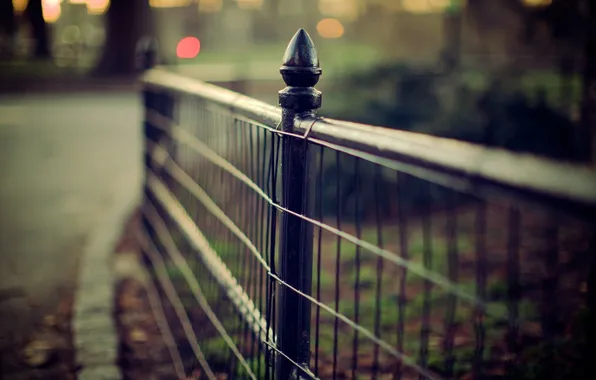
(19, 5)
(330, 28)
(188, 47)
(51, 10)
(97, 7)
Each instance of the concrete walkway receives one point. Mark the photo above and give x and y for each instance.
(71, 173)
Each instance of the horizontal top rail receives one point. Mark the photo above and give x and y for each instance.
(571, 184)
(526, 173)
(245, 105)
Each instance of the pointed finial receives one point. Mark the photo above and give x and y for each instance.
(300, 62)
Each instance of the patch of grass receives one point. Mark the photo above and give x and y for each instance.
(439, 246)
(462, 361)
(326, 278)
(211, 293)
(256, 365)
(216, 351)
(225, 249)
(527, 310)
(415, 306)
(173, 271)
(498, 290)
(367, 276)
(326, 338)
(231, 253)
(348, 250)
(497, 312)
(439, 250)
(367, 310)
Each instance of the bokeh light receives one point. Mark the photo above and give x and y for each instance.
(71, 34)
(51, 10)
(330, 28)
(19, 5)
(97, 7)
(250, 4)
(169, 3)
(430, 6)
(417, 6)
(209, 6)
(441, 4)
(537, 3)
(188, 47)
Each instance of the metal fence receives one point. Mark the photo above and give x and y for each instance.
(284, 245)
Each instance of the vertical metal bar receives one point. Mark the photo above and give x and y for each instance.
(145, 56)
(319, 254)
(589, 365)
(355, 342)
(551, 326)
(513, 294)
(270, 239)
(481, 274)
(403, 275)
(163, 104)
(379, 270)
(338, 218)
(300, 73)
(452, 269)
(427, 260)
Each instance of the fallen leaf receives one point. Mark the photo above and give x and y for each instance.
(50, 320)
(37, 353)
(137, 335)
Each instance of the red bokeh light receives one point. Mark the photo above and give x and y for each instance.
(188, 47)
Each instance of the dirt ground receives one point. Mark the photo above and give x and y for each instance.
(143, 353)
(48, 353)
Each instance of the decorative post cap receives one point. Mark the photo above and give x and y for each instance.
(300, 62)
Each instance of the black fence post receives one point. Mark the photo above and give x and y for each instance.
(300, 72)
(159, 102)
(146, 53)
(146, 59)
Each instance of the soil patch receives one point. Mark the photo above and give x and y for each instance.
(143, 353)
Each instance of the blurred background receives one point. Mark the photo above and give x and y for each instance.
(513, 74)
(468, 69)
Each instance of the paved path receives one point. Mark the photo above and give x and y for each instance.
(70, 169)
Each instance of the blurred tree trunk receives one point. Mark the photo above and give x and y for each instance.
(39, 28)
(126, 22)
(587, 137)
(8, 28)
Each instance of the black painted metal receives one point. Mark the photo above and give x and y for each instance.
(467, 167)
(159, 100)
(153, 100)
(300, 72)
(395, 309)
(146, 53)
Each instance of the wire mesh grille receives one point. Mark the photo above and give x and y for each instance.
(410, 279)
